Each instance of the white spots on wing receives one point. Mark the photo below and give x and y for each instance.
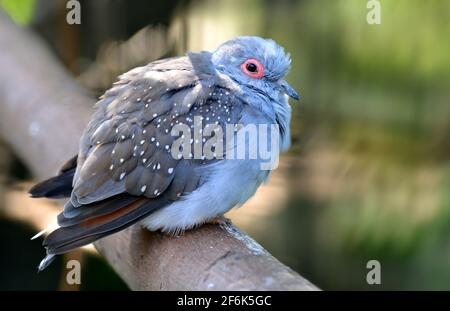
(143, 188)
(149, 100)
(155, 115)
(170, 170)
(111, 167)
(142, 142)
(155, 192)
(144, 131)
(138, 99)
(122, 160)
(122, 137)
(122, 176)
(152, 139)
(117, 130)
(158, 166)
(142, 153)
(144, 160)
(157, 144)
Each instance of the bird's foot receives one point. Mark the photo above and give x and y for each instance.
(219, 220)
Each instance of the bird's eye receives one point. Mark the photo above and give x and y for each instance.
(252, 68)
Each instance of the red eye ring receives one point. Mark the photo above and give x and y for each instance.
(253, 68)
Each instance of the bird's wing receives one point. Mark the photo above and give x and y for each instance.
(125, 169)
(126, 148)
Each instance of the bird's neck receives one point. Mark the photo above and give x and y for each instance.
(273, 112)
(283, 118)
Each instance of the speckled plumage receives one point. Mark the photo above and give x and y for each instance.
(125, 171)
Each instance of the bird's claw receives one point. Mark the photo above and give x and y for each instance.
(220, 220)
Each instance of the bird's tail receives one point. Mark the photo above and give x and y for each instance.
(96, 221)
(46, 262)
(89, 222)
(59, 186)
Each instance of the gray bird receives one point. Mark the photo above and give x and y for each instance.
(127, 171)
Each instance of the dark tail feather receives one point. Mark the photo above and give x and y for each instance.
(92, 227)
(59, 186)
(56, 187)
(93, 221)
(46, 262)
(69, 165)
(86, 212)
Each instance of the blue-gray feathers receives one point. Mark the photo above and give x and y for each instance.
(125, 172)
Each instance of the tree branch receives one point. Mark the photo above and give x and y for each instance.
(42, 115)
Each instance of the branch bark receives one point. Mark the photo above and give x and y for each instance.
(42, 115)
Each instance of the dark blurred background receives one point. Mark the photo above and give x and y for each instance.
(368, 175)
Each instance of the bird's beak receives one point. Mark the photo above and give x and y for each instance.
(288, 90)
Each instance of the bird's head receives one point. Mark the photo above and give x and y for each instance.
(255, 63)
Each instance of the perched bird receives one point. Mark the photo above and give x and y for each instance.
(127, 171)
